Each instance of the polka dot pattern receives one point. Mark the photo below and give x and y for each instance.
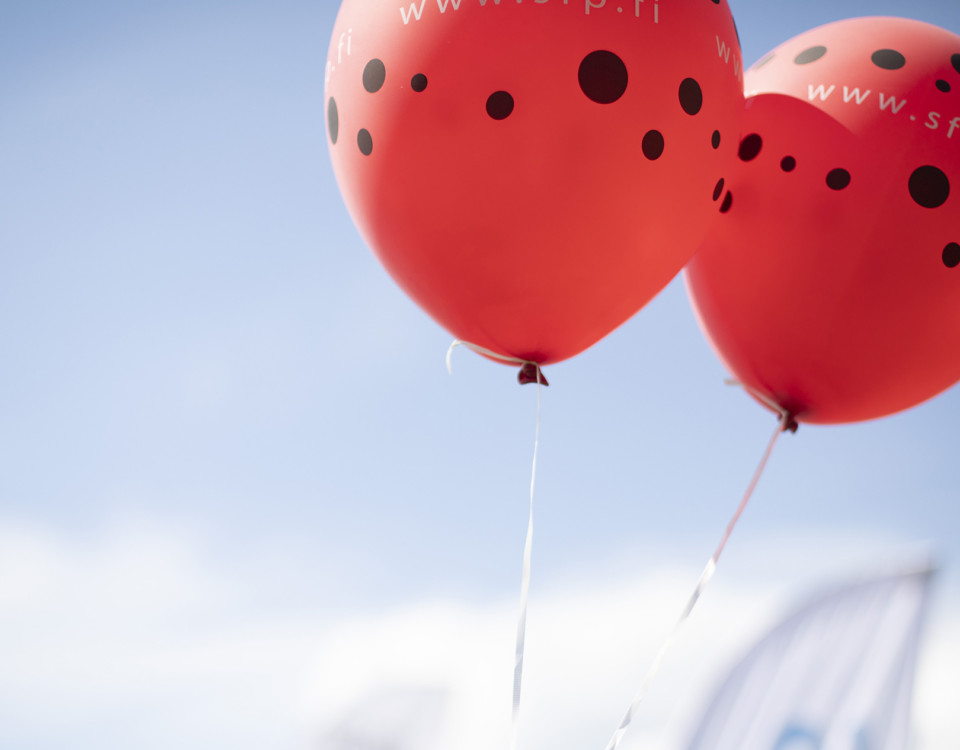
(718, 190)
(838, 179)
(929, 187)
(749, 147)
(653, 145)
(691, 96)
(951, 255)
(858, 164)
(500, 105)
(374, 75)
(810, 55)
(602, 77)
(888, 59)
(763, 61)
(365, 142)
(333, 120)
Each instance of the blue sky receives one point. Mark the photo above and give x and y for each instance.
(230, 444)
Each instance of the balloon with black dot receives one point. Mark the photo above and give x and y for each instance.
(374, 75)
(652, 145)
(838, 179)
(888, 59)
(718, 190)
(763, 61)
(418, 83)
(333, 120)
(929, 186)
(812, 54)
(365, 142)
(500, 105)
(691, 96)
(750, 147)
(602, 76)
(951, 255)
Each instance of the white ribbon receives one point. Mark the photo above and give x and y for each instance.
(506, 358)
(528, 543)
(782, 424)
(525, 582)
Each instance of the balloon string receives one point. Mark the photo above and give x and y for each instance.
(786, 418)
(528, 542)
(486, 352)
(705, 576)
(525, 583)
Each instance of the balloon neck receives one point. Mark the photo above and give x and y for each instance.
(531, 373)
(788, 423)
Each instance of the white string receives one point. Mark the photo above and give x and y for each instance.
(705, 576)
(486, 352)
(525, 584)
(528, 543)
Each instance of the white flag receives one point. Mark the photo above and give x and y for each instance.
(836, 675)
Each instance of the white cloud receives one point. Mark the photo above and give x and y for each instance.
(142, 640)
(137, 639)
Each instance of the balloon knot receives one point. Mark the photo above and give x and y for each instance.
(789, 423)
(531, 373)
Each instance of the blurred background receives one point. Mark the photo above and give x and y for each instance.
(242, 503)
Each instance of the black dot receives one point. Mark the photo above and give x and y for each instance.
(763, 61)
(333, 120)
(788, 164)
(750, 147)
(652, 144)
(951, 255)
(499, 105)
(718, 190)
(943, 85)
(929, 187)
(418, 82)
(365, 142)
(716, 2)
(602, 77)
(811, 54)
(691, 96)
(888, 59)
(727, 202)
(838, 179)
(715, 139)
(374, 74)
(956, 62)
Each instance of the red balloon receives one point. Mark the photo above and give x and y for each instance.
(532, 172)
(831, 285)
